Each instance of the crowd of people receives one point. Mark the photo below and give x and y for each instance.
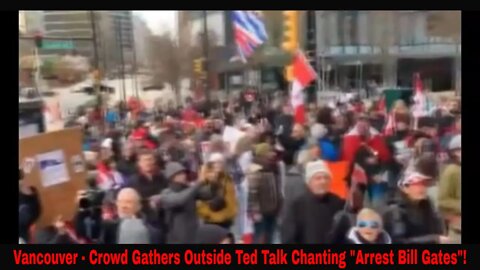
(154, 181)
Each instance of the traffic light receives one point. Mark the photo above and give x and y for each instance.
(290, 43)
(38, 40)
(289, 73)
(198, 67)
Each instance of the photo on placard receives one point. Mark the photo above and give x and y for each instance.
(28, 165)
(53, 170)
(78, 164)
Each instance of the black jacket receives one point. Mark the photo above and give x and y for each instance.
(308, 220)
(126, 167)
(148, 188)
(29, 210)
(412, 222)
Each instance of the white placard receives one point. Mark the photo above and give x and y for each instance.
(53, 170)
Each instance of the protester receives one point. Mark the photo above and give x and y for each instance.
(222, 208)
(213, 234)
(362, 133)
(148, 181)
(264, 193)
(129, 226)
(29, 207)
(108, 176)
(449, 194)
(368, 229)
(179, 202)
(412, 219)
(308, 220)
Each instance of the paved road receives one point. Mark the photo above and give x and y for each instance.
(69, 99)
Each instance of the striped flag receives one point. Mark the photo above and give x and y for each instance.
(249, 31)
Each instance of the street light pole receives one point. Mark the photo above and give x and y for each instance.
(96, 73)
(205, 54)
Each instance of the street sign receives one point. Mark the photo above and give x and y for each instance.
(57, 45)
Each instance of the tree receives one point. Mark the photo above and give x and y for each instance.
(166, 55)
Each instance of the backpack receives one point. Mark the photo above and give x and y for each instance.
(269, 194)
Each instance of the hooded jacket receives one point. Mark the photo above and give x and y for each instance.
(410, 222)
(354, 237)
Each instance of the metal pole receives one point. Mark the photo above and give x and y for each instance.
(205, 53)
(122, 60)
(96, 78)
(94, 37)
(134, 64)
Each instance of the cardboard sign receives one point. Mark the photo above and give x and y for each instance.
(52, 173)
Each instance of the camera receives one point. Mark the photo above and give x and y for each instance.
(93, 197)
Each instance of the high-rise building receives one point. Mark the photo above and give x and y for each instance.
(386, 46)
(141, 38)
(70, 24)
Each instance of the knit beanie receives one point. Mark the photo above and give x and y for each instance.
(315, 167)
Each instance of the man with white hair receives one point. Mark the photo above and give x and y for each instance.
(129, 227)
(308, 219)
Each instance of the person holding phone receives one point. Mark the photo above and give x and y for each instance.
(222, 208)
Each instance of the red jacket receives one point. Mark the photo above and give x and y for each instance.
(352, 142)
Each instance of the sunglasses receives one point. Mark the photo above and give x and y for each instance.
(368, 224)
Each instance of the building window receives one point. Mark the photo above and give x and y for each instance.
(363, 29)
(348, 28)
(332, 29)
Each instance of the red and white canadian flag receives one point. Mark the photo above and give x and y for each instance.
(303, 75)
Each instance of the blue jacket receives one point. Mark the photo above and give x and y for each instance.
(112, 117)
(329, 151)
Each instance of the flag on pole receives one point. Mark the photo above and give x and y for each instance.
(249, 32)
(303, 75)
(420, 100)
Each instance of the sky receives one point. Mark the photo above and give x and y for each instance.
(159, 21)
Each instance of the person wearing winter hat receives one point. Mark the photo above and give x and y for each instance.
(412, 218)
(264, 199)
(308, 219)
(449, 193)
(368, 229)
(179, 203)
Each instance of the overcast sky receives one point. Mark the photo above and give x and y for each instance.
(159, 21)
